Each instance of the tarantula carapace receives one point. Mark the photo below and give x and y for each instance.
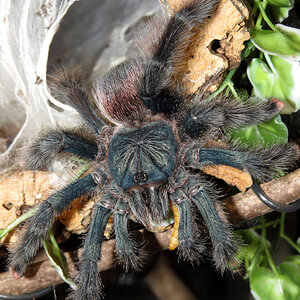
(152, 156)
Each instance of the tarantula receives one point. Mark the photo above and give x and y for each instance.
(152, 156)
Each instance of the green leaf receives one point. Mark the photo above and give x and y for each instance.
(278, 79)
(265, 134)
(264, 285)
(252, 240)
(284, 285)
(295, 259)
(57, 259)
(280, 13)
(289, 274)
(285, 42)
(282, 3)
(252, 252)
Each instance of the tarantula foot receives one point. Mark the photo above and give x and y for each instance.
(191, 250)
(279, 103)
(130, 259)
(15, 274)
(17, 270)
(224, 255)
(19, 262)
(88, 283)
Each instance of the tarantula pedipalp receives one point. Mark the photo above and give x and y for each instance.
(154, 155)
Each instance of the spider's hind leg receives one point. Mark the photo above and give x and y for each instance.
(69, 85)
(48, 145)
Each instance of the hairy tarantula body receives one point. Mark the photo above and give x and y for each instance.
(151, 157)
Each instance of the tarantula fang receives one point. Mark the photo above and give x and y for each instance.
(153, 155)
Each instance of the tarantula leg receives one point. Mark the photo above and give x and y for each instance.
(47, 146)
(229, 114)
(68, 85)
(272, 204)
(220, 234)
(88, 282)
(190, 245)
(127, 250)
(260, 163)
(39, 224)
(156, 89)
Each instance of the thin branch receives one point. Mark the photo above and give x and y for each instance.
(246, 206)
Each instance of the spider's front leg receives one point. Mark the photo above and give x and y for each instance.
(190, 245)
(195, 191)
(204, 196)
(39, 224)
(128, 251)
(88, 282)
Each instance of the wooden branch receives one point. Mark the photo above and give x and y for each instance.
(240, 207)
(245, 206)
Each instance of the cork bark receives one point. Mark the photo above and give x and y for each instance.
(217, 45)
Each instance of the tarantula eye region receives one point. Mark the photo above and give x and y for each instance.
(140, 177)
(142, 156)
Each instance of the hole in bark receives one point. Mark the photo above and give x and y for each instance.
(215, 45)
